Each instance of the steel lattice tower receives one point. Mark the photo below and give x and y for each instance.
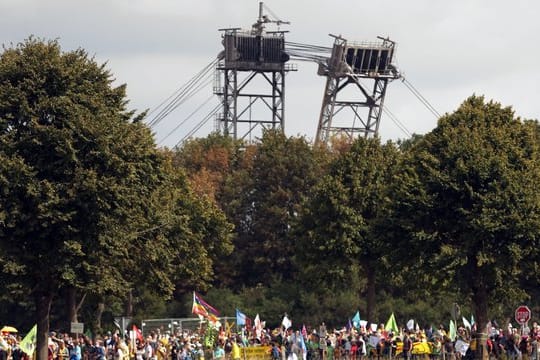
(357, 77)
(252, 60)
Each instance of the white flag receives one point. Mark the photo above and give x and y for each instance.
(410, 324)
(258, 327)
(286, 322)
(466, 323)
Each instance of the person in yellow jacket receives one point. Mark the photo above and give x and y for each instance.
(235, 350)
(161, 351)
(123, 346)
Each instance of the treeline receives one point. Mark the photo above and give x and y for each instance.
(96, 221)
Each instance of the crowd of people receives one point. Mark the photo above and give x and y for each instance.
(305, 344)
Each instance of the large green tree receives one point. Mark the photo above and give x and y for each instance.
(87, 201)
(468, 198)
(340, 232)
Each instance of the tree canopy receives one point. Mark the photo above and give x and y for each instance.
(468, 197)
(82, 199)
(338, 231)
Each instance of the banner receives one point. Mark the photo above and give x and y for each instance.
(256, 352)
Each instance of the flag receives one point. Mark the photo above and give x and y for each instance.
(214, 320)
(240, 318)
(138, 333)
(197, 307)
(410, 325)
(202, 308)
(356, 320)
(349, 325)
(452, 330)
(303, 347)
(466, 323)
(28, 344)
(207, 306)
(392, 325)
(258, 327)
(286, 322)
(363, 324)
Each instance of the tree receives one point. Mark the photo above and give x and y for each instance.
(86, 197)
(467, 196)
(339, 229)
(262, 197)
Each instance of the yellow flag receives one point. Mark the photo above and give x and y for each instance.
(28, 344)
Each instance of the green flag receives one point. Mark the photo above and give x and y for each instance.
(28, 344)
(452, 331)
(392, 325)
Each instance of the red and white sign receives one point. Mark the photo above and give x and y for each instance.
(523, 314)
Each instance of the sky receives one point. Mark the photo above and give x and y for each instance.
(448, 50)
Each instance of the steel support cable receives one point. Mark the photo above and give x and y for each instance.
(187, 93)
(207, 81)
(183, 87)
(165, 111)
(186, 119)
(421, 98)
(179, 101)
(179, 93)
(307, 46)
(200, 124)
(207, 117)
(309, 59)
(396, 121)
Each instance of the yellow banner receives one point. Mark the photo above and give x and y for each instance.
(256, 352)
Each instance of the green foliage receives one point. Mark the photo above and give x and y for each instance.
(87, 201)
(262, 197)
(339, 226)
(469, 199)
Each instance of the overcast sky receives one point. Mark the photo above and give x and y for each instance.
(447, 49)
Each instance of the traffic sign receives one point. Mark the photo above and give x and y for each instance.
(523, 314)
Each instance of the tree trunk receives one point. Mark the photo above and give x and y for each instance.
(99, 313)
(480, 305)
(71, 295)
(43, 309)
(129, 304)
(370, 274)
